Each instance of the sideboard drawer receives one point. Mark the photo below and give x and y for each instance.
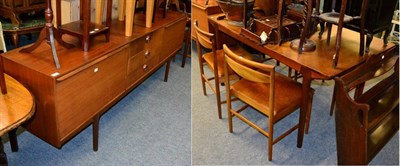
(86, 93)
(141, 44)
(141, 64)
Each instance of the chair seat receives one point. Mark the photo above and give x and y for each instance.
(288, 95)
(36, 20)
(208, 57)
(333, 17)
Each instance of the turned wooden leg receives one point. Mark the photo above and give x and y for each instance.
(15, 40)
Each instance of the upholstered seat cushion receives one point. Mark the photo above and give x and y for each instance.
(28, 21)
(288, 93)
(333, 17)
(209, 58)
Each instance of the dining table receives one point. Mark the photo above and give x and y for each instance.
(316, 64)
(17, 106)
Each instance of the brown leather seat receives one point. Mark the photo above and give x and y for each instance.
(214, 59)
(257, 88)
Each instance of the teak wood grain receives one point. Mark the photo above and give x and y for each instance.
(16, 106)
(89, 83)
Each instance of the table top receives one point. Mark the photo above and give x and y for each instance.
(16, 106)
(320, 60)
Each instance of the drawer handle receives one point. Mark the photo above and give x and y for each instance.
(148, 39)
(145, 67)
(96, 69)
(147, 53)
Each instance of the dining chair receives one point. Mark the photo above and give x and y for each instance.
(339, 19)
(264, 90)
(213, 58)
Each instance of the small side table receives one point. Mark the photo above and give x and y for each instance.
(16, 106)
(84, 29)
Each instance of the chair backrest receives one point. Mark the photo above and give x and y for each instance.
(2, 43)
(251, 71)
(205, 39)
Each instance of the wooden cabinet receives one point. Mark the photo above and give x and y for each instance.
(88, 83)
(201, 11)
(13, 8)
(100, 80)
(170, 37)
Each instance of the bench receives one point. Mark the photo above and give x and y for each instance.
(366, 122)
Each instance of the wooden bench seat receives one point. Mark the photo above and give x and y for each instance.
(366, 122)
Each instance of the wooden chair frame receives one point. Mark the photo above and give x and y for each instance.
(262, 75)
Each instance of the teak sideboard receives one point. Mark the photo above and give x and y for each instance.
(89, 83)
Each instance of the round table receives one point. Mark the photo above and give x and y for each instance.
(16, 106)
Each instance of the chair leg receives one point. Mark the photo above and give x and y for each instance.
(328, 37)
(218, 95)
(322, 25)
(270, 138)
(203, 81)
(333, 102)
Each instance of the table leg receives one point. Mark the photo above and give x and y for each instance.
(306, 87)
(99, 11)
(149, 13)
(130, 12)
(3, 156)
(121, 10)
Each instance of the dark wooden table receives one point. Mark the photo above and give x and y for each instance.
(312, 65)
(16, 107)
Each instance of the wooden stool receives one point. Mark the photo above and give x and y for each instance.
(83, 28)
